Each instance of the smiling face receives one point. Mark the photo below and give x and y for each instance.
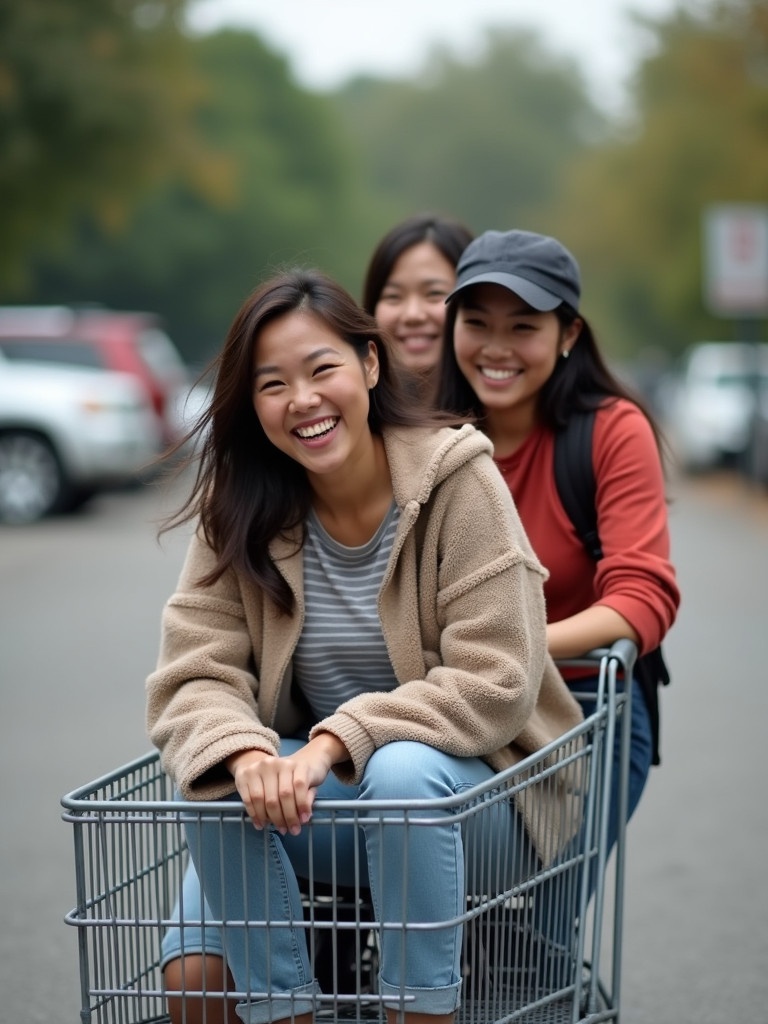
(310, 393)
(412, 305)
(506, 350)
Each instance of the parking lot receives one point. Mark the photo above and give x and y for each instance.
(80, 601)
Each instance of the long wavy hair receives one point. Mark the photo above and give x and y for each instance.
(579, 383)
(450, 237)
(247, 492)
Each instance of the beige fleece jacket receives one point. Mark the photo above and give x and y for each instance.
(463, 616)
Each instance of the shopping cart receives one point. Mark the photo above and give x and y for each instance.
(544, 949)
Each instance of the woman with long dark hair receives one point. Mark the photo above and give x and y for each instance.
(360, 616)
(409, 276)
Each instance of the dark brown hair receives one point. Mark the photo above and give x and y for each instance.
(246, 491)
(450, 237)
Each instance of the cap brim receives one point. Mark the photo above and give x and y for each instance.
(535, 296)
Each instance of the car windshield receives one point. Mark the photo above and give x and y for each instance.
(44, 350)
(161, 355)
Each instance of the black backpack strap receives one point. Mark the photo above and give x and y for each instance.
(575, 478)
(651, 672)
(575, 482)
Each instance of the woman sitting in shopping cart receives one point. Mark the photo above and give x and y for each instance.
(360, 616)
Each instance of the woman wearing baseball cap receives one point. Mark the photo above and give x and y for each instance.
(522, 359)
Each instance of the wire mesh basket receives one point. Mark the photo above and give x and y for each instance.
(546, 948)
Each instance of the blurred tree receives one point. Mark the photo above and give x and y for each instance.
(274, 174)
(698, 135)
(94, 101)
(286, 193)
(486, 140)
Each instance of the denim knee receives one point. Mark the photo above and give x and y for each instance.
(640, 753)
(406, 770)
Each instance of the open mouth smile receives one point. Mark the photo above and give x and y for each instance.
(317, 431)
(417, 342)
(498, 374)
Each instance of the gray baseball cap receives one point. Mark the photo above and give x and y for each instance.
(536, 267)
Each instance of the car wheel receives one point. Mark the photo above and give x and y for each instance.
(32, 483)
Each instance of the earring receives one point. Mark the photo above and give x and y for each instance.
(565, 353)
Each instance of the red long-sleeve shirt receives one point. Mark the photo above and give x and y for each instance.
(635, 576)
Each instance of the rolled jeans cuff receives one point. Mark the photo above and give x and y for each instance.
(301, 1000)
(421, 1000)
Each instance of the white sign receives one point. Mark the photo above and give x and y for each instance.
(736, 259)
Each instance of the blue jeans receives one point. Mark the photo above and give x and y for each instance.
(640, 753)
(423, 869)
(557, 902)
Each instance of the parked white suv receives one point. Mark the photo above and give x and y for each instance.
(66, 433)
(712, 402)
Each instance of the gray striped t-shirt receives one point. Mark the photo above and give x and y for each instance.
(341, 650)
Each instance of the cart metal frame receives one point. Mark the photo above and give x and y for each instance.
(545, 950)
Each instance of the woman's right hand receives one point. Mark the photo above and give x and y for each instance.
(281, 790)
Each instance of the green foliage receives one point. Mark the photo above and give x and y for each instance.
(143, 168)
(699, 136)
(486, 141)
(93, 105)
(280, 189)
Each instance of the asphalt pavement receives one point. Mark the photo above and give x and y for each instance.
(80, 602)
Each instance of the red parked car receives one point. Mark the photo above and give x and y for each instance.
(132, 342)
